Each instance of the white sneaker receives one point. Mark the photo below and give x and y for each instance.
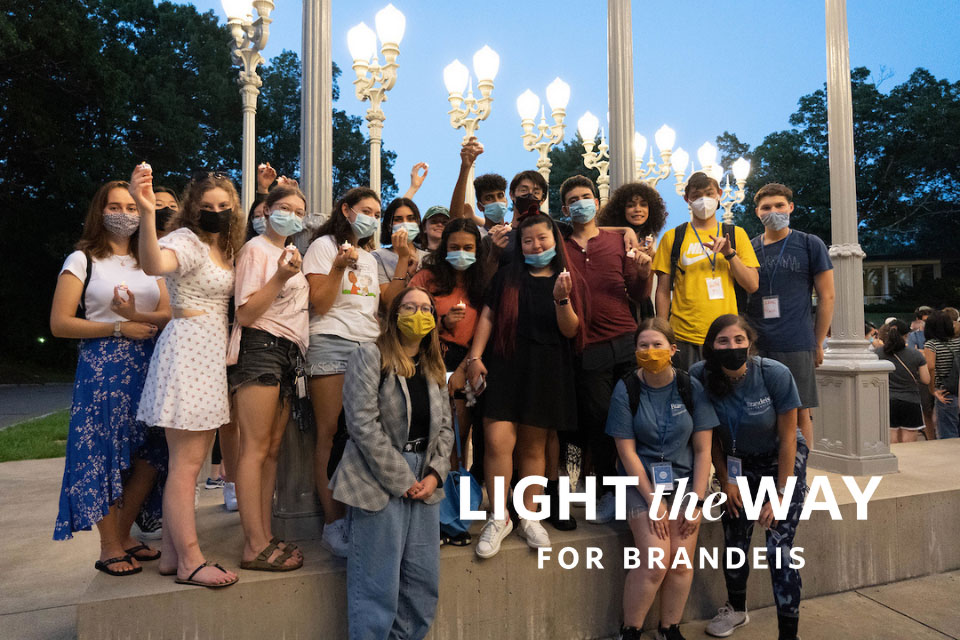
(491, 535)
(534, 533)
(727, 621)
(336, 538)
(230, 496)
(606, 509)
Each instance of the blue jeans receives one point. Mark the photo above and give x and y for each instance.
(393, 569)
(948, 418)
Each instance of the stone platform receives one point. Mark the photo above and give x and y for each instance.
(912, 530)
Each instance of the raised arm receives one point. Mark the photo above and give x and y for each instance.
(416, 179)
(468, 156)
(153, 260)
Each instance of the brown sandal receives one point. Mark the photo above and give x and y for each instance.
(261, 563)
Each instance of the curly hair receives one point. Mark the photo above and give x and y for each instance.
(614, 212)
(189, 214)
(489, 182)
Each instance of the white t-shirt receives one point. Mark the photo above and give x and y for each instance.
(353, 315)
(107, 273)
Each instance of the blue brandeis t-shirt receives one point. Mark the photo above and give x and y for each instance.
(751, 410)
(787, 269)
(661, 415)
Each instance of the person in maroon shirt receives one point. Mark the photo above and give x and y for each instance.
(613, 277)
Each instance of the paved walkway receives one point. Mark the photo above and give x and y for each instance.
(19, 402)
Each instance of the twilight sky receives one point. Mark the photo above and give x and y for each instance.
(701, 66)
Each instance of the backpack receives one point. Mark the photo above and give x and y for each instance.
(726, 229)
(951, 383)
(632, 382)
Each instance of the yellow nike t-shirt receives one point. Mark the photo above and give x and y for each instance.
(692, 310)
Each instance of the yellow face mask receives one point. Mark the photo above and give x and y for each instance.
(653, 360)
(416, 325)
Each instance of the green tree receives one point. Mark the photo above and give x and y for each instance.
(907, 150)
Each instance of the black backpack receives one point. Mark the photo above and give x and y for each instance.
(726, 229)
(632, 382)
(952, 381)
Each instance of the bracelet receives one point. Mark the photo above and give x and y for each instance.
(404, 278)
(731, 256)
(562, 303)
(467, 361)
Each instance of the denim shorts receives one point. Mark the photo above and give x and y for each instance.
(265, 359)
(328, 354)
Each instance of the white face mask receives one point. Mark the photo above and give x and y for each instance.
(704, 207)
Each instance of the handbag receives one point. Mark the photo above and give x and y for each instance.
(451, 524)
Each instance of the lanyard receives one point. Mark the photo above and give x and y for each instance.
(663, 417)
(713, 260)
(763, 252)
(735, 426)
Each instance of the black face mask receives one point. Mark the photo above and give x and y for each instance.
(525, 205)
(730, 359)
(163, 217)
(215, 221)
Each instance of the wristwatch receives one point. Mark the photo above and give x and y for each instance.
(730, 256)
(116, 329)
(562, 303)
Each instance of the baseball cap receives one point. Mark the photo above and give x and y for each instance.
(436, 210)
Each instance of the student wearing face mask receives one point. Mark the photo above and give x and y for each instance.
(700, 262)
(400, 223)
(793, 265)
(662, 422)
(267, 346)
(453, 277)
(168, 205)
(392, 472)
(186, 389)
(613, 278)
(344, 301)
(121, 309)
(523, 354)
(756, 402)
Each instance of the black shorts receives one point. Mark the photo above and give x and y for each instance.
(265, 359)
(905, 415)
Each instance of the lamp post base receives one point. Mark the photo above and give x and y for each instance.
(851, 425)
(297, 514)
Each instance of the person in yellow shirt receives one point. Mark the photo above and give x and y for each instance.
(703, 274)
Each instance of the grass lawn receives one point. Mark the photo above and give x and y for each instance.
(39, 438)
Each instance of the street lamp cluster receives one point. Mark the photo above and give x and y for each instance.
(558, 95)
(466, 112)
(249, 39)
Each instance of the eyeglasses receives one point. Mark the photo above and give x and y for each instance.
(408, 308)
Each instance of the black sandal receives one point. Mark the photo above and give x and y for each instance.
(104, 565)
(460, 540)
(143, 547)
(210, 585)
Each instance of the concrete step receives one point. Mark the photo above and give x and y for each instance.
(911, 531)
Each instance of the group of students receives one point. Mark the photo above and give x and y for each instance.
(547, 327)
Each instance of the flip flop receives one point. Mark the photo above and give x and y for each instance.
(209, 585)
(260, 563)
(104, 565)
(142, 547)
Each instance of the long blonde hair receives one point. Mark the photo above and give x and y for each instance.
(393, 359)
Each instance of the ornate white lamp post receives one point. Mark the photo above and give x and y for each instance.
(467, 112)
(558, 95)
(373, 79)
(249, 39)
(588, 125)
(665, 138)
(707, 155)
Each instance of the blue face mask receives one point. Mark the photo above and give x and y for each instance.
(364, 226)
(286, 223)
(461, 260)
(539, 260)
(495, 211)
(582, 211)
(776, 220)
(413, 229)
(259, 225)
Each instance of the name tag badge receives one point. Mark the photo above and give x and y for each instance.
(734, 469)
(771, 307)
(301, 384)
(715, 288)
(662, 474)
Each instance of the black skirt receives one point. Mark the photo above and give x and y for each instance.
(534, 387)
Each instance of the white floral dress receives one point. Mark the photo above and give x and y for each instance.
(186, 385)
